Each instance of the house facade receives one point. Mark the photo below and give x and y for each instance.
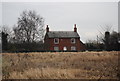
(63, 40)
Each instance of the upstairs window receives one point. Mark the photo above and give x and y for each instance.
(73, 40)
(56, 41)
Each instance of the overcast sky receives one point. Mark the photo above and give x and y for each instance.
(61, 16)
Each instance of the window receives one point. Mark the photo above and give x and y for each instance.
(56, 48)
(72, 40)
(56, 41)
(73, 48)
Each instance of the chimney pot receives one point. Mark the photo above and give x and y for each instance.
(47, 28)
(75, 29)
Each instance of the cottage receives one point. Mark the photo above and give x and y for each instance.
(63, 40)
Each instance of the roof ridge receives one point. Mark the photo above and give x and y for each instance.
(63, 34)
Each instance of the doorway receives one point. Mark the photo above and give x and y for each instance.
(65, 48)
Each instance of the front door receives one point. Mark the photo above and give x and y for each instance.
(65, 48)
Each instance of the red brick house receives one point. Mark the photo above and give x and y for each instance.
(63, 40)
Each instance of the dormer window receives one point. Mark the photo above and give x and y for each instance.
(56, 41)
(73, 40)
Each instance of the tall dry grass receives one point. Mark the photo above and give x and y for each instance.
(60, 65)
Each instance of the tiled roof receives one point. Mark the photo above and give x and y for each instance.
(62, 34)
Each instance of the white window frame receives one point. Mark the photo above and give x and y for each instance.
(56, 48)
(73, 48)
(56, 42)
(74, 41)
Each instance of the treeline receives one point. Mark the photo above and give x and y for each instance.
(108, 42)
(23, 47)
(25, 36)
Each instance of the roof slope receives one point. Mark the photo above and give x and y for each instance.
(62, 34)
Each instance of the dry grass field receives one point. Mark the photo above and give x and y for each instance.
(60, 65)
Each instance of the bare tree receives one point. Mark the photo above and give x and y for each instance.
(5, 31)
(109, 38)
(102, 30)
(29, 27)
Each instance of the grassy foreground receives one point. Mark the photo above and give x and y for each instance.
(60, 65)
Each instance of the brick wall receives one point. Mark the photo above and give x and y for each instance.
(64, 42)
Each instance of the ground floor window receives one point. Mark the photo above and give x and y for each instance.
(56, 48)
(73, 48)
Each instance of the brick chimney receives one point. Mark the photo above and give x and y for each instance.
(47, 29)
(75, 29)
